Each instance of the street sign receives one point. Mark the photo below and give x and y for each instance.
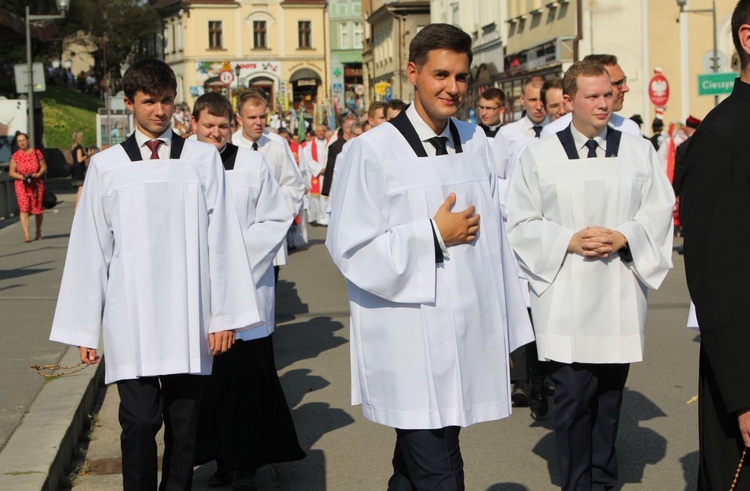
(359, 89)
(388, 93)
(338, 88)
(22, 77)
(707, 62)
(716, 83)
(658, 90)
(226, 77)
(380, 87)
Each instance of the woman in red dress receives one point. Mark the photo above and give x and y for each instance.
(27, 166)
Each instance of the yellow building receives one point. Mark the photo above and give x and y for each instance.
(278, 46)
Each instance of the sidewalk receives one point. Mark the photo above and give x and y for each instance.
(40, 419)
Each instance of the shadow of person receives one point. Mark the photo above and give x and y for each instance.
(637, 447)
(288, 302)
(305, 340)
(297, 383)
(690, 463)
(507, 486)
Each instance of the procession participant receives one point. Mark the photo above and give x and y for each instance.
(432, 299)
(395, 106)
(245, 421)
(315, 157)
(510, 140)
(580, 226)
(490, 109)
(714, 206)
(619, 89)
(252, 109)
(334, 150)
(157, 252)
(552, 98)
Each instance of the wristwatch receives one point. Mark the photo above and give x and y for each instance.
(625, 254)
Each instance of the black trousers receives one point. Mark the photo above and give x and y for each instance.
(144, 403)
(427, 460)
(588, 398)
(721, 443)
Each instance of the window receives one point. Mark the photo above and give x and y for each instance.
(357, 35)
(344, 35)
(304, 34)
(214, 34)
(259, 34)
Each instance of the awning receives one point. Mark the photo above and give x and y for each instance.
(304, 74)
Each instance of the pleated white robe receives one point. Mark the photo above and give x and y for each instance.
(265, 218)
(429, 342)
(156, 260)
(590, 310)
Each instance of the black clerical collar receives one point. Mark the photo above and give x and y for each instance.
(741, 89)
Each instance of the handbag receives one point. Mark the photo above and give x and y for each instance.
(49, 199)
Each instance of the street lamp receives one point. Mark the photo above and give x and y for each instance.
(62, 6)
(715, 58)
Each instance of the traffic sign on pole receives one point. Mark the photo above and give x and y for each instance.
(716, 83)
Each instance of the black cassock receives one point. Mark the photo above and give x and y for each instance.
(715, 215)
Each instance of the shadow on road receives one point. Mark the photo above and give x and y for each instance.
(637, 447)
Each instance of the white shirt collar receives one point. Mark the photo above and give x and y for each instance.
(423, 131)
(141, 139)
(580, 139)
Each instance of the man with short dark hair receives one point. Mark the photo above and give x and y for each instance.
(491, 108)
(158, 255)
(395, 106)
(376, 113)
(714, 208)
(553, 100)
(435, 304)
(592, 237)
(334, 150)
(232, 431)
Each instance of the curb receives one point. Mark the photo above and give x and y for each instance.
(40, 449)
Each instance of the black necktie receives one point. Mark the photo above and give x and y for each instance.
(592, 146)
(153, 145)
(255, 146)
(537, 131)
(439, 143)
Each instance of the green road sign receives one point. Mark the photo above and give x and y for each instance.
(716, 83)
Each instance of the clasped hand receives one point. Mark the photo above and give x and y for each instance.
(596, 242)
(459, 227)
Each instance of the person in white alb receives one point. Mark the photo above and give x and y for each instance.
(157, 253)
(244, 419)
(590, 221)
(435, 302)
(252, 110)
(619, 89)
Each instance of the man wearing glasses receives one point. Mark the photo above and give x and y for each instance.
(619, 89)
(491, 109)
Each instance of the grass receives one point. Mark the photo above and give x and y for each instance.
(66, 111)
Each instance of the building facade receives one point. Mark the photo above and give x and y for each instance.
(279, 46)
(390, 28)
(346, 30)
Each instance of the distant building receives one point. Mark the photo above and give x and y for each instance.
(346, 28)
(278, 46)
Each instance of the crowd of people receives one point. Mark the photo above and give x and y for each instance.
(470, 252)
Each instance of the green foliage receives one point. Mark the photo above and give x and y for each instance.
(66, 111)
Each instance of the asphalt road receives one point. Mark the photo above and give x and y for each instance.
(657, 445)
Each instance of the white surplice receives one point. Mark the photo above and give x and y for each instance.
(156, 260)
(429, 342)
(265, 219)
(590, 310)
(281, 163)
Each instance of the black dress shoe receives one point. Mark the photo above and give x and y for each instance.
(220, 479)
(520, 394)
(538, 405)
(244, 480)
